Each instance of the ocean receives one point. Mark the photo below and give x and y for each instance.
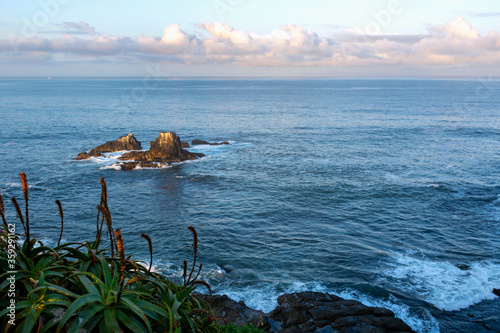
(383, 191)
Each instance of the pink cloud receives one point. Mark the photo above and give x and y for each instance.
(455, 43)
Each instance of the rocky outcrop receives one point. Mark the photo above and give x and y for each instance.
(496, 291)
(310, 312)
(199, 142)
(202, 142)
(165, 149)
(144, 164)
(127, 142)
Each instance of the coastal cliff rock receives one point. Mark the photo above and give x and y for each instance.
(309, 312)
(127, 142)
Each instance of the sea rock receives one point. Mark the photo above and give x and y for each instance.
(165, 149)
(219, 143)
(199, 142)
(84, 155)
(185, 144)
(127, 166)
(202, 142)
(127, 142)
(310, 312)
(496, 291)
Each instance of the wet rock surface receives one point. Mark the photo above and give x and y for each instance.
(127, 142)
(310, 312)
(166, 148)
(203, 142)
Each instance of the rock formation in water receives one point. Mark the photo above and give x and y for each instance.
(203, 142)
(167, 148)
(309, 312)
(127, 142)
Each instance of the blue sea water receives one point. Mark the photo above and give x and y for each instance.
(385, 191)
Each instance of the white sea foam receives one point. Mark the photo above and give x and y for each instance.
(443, 284)
(112, 167)
(423, 322)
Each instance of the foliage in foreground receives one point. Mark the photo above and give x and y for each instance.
(235, 329)
(75, 286)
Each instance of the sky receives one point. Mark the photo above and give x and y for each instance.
(246, 38)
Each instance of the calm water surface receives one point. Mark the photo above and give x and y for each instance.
(385, 191)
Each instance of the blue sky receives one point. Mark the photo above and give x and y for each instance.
(333, 38)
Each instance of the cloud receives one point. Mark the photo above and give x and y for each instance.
(80, 27)
(487, 14)
(455, 43)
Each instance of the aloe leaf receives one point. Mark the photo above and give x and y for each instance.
(84, 265)
(61, 290)
(88, 284)
(94, 321)
(31, 319)
(82, 301)
(137, 310)
(111, 321)
(105, 269)
(59, 302)
(130, 322)
(84, 316)
(151, 307)
(77, 254)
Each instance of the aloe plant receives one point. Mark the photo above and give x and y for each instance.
(76, 286)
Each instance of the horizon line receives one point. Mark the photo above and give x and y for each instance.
(209, 77)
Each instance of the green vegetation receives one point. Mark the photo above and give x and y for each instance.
(77, 286)
(235, 329)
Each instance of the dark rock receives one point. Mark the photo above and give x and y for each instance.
(202, 142)
(127, 142)
(129, 166)
(165, 149)
(312, 312)
(309, 312)
(236, 313)
(199, 142)
(496, 291)
(143, 164)
(83, 156)
(185, 144)
(132, 156)
(219, 143)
